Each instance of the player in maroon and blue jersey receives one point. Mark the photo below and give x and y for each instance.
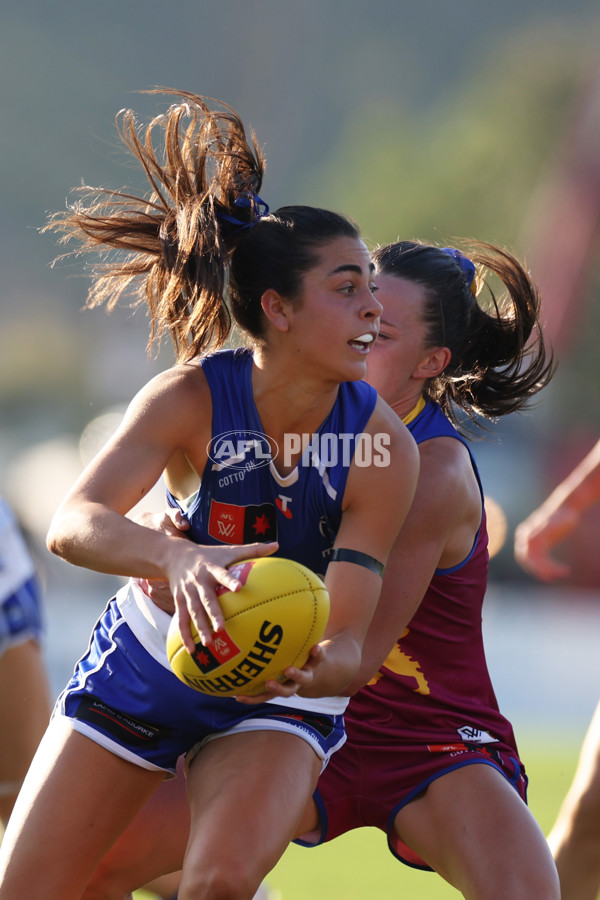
(429, 758)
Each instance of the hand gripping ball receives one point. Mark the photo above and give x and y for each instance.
(271, 623)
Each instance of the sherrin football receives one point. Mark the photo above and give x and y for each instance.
(271, 623)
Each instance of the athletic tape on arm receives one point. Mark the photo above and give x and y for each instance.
(340, 554)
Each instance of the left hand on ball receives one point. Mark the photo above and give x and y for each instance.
(296, 680)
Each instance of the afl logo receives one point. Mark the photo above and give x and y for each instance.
(241, 450)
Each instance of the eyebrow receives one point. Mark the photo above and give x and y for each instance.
(350, 267)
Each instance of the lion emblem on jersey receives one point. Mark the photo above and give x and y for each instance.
(403, 664)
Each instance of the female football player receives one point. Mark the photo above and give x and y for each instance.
(299, 285)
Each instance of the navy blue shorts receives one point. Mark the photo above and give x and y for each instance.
(370, 785)
(125, 700)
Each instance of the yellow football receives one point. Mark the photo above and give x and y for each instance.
(271, 623)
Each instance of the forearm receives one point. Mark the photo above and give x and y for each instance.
(581, 488)
(557, 518)
(338, 668)
(98, 538)
(362, 677)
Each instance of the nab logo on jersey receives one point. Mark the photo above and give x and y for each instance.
(233, 524)
(240, 449)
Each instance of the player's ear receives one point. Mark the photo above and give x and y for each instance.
(275, 309)
(434, 362)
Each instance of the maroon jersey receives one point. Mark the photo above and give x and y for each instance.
(435, 687)
(431, 707)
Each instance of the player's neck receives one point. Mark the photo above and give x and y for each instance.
(291, 403)
(414, 412)
(408, 405)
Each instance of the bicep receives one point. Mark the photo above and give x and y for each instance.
(134, 458)
(122, 474)
(411, 566)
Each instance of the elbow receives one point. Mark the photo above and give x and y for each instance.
(361, 678)
(366, 673)
(60, 538)
(55, 541)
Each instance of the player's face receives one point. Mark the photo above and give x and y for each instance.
(335, 321)
(400, 346)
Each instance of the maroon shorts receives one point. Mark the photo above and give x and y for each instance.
(369, 786)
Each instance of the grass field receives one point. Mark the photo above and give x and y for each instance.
(359, 866)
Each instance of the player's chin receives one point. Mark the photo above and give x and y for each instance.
(351, 367)
(358, 370)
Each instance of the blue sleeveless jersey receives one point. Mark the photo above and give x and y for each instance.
(431, 423)
(243, 498)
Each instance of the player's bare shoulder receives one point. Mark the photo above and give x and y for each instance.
(183, 380)
(450, 489)
(177, 392)
(451, 460)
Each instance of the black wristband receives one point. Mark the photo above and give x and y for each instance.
(340, 554)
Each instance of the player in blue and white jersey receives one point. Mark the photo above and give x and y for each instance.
(299, 286)
(24, 690)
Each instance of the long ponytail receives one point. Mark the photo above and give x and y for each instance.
(499, 359)
(202, 247)
(173, 245)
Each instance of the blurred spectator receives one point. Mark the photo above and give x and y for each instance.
(557, 517)
(575, 836)
(24, 691)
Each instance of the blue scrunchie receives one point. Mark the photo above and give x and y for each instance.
(467, 267)
(253, 200)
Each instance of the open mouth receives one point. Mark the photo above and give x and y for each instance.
(362, 342)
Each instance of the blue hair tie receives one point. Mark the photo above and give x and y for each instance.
(466, 266)
(259, 207)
